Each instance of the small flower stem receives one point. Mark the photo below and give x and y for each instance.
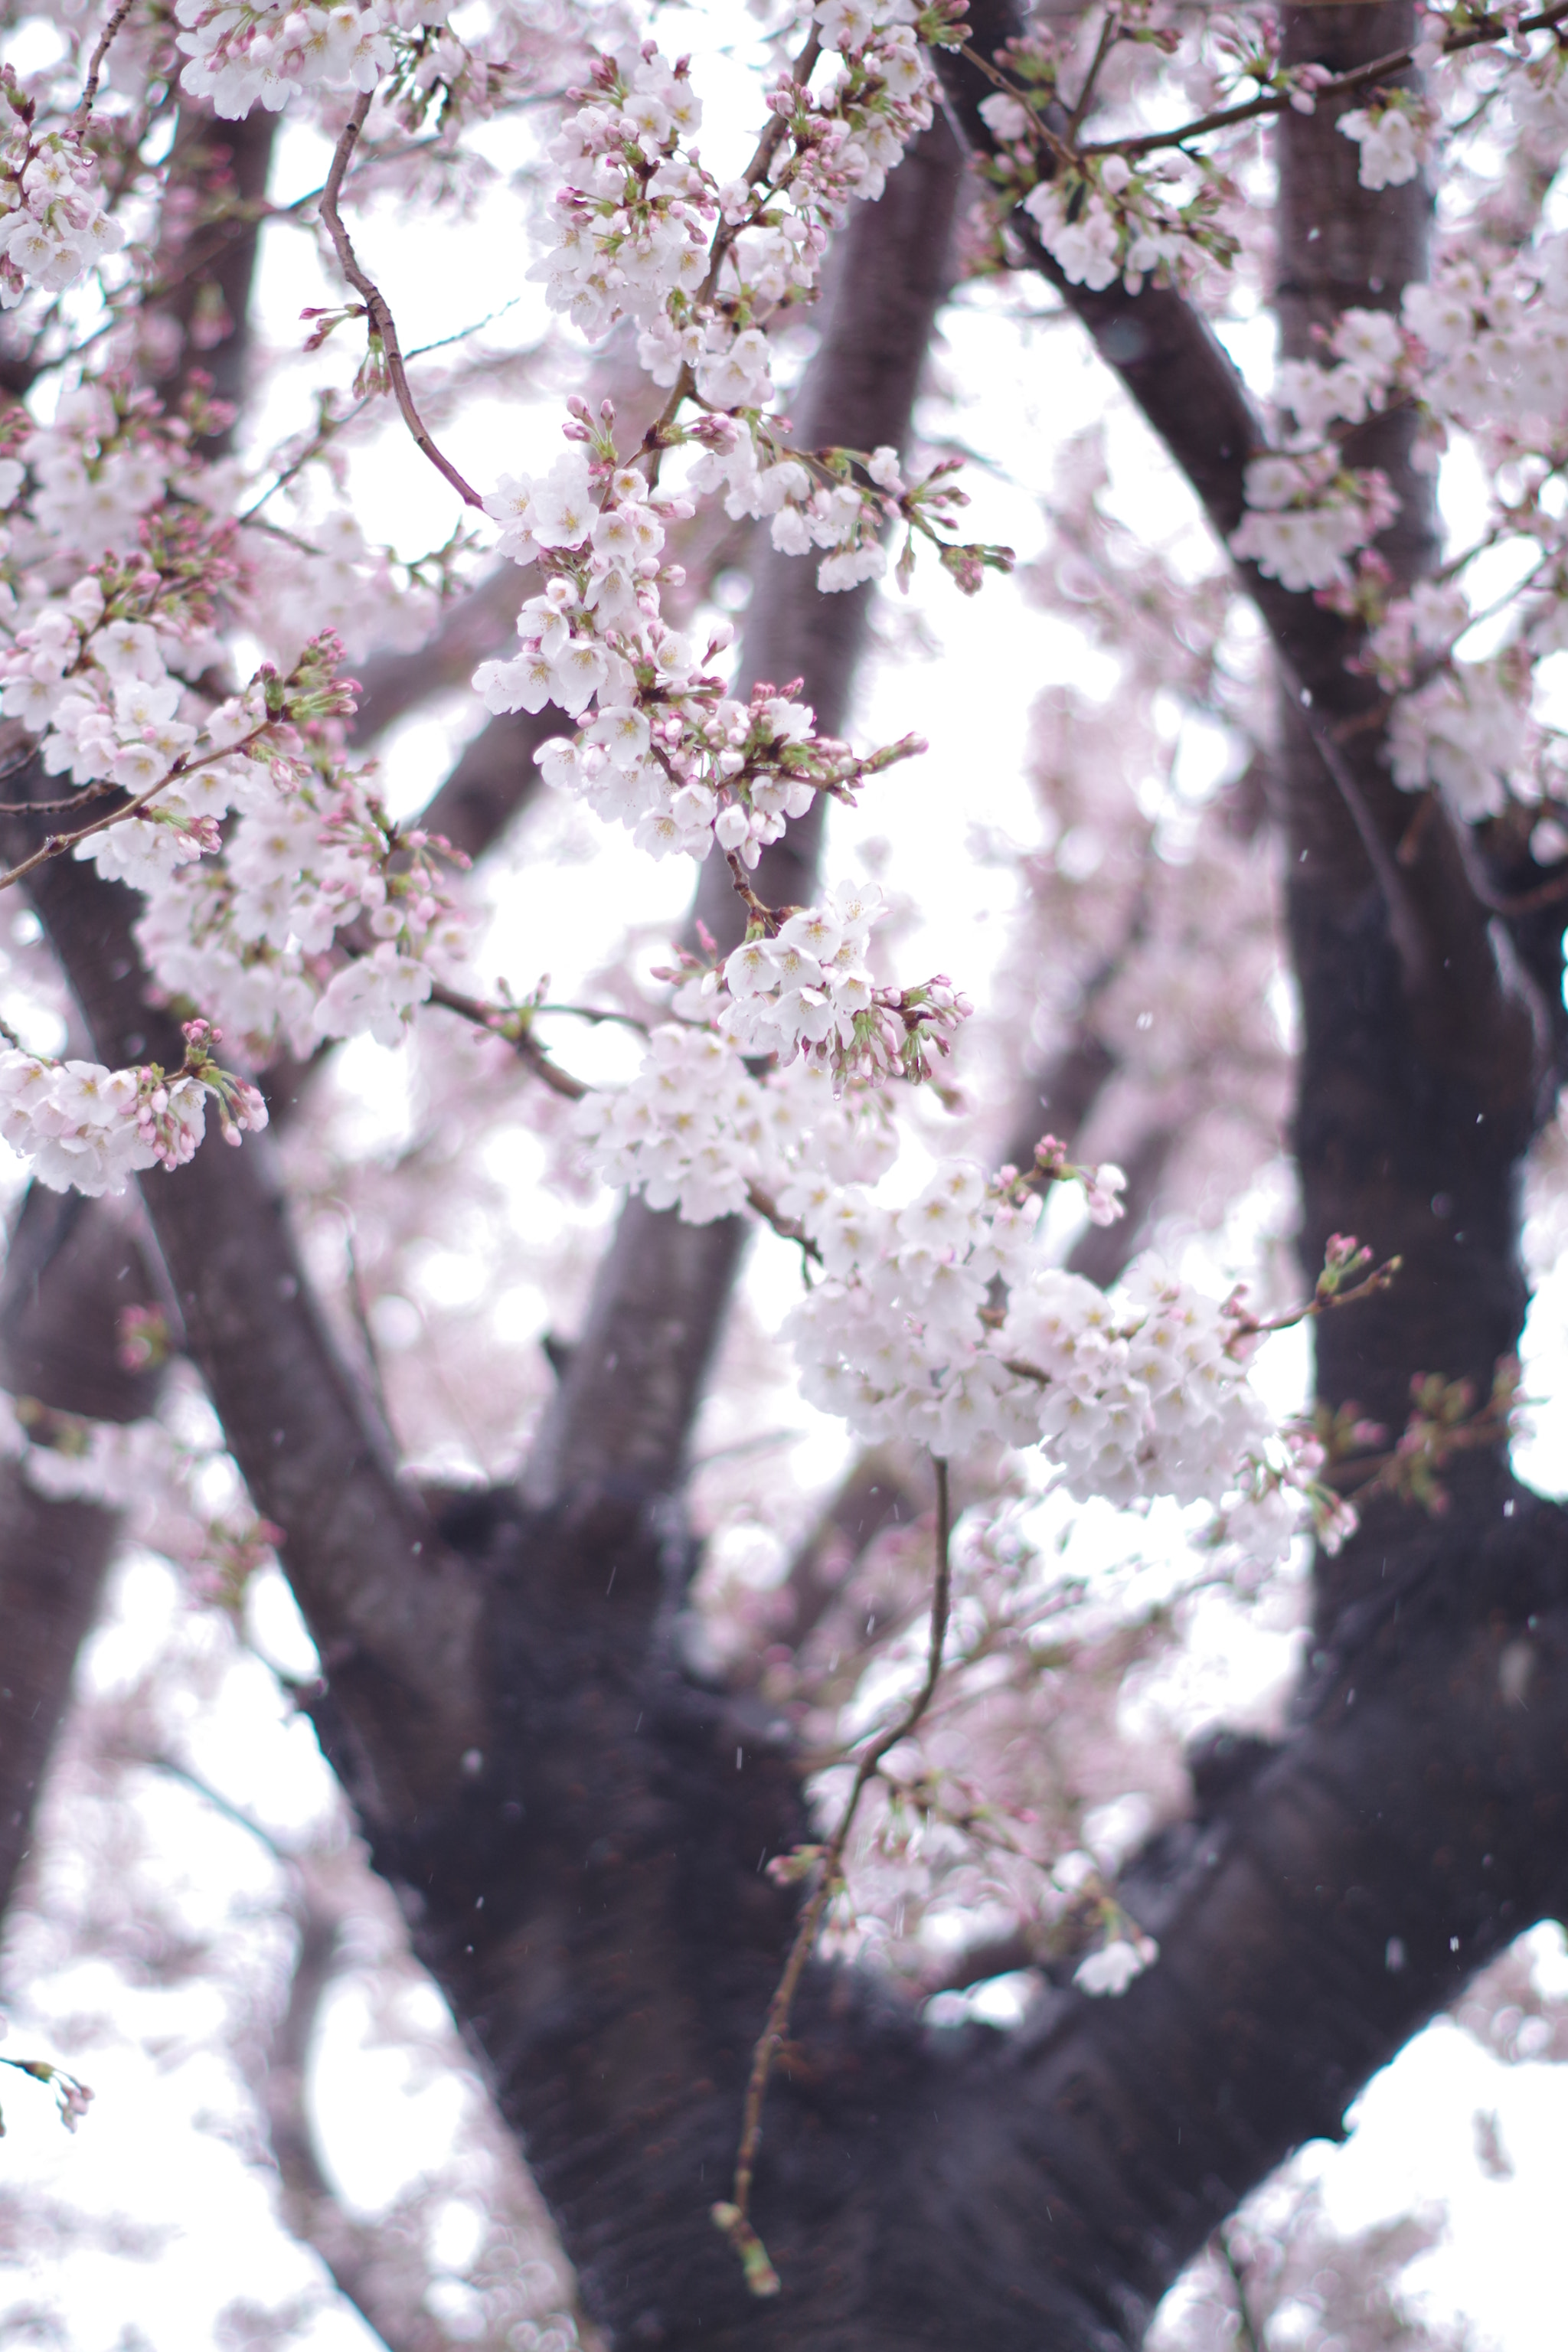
(376, 312)
(771, 921)
(1320, 1303)
(734, 2217)
(95, 66)
(1110, 27)
(1248, 2327)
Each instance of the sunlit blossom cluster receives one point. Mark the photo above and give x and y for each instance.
(1140, 1394)
(807, 984)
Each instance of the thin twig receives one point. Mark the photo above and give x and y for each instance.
(443, 342)
(1275, 102)
(595, 1015)
(56, 843)
(381, 327)
(512, 1022)
(1545, 894)
(1110, 27)
(770, 919)
(51, 808)
(159, 1761)
(1321, 1302)
(95, 66)
(733, 2218)
(325, 433)
(1048, 138)
(360, 1306)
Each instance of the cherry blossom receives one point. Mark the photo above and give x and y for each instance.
(53, 223)
(1391, 140)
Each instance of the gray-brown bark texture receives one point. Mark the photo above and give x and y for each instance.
(579, 1830)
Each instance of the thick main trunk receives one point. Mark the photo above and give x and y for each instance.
(596, 1913)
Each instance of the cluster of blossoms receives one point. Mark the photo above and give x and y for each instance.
(1114, 227)
(1307, 515)
(702, 267)
(1102, 218)
(646, 232)
(1139, 1394)
(87, 1129)
(53, 226)
(639, 206)
(1394, 135)
(1475, 347)
(1464, 732)
(1371, 357)
(339, 582)
(806, 984)
(666, 751)
(244, 56)
(831, 509)
(280, 897)
(698, 1131)
(97, 480)
(1134, 1395)
(313, 863)
(1495, 341)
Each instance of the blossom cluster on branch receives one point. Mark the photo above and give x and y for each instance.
(53, 223)
(86, 1129)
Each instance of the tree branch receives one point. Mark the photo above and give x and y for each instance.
(917, 2189)
(69, 1275)
(1469, 1007)
(390, 1610)
(383, 329)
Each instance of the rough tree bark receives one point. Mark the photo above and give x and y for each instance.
(579, 1830)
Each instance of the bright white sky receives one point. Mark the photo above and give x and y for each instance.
(158, 2145)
